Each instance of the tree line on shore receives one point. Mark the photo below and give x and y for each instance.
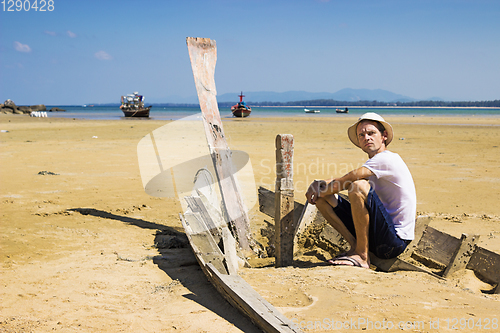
(331, 102)
(335, 103)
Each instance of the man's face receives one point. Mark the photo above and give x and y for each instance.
(370, 139)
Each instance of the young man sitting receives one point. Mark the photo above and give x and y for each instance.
(380, 214)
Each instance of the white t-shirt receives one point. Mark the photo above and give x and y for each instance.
(394, 186)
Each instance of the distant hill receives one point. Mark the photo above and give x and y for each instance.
(347, 94)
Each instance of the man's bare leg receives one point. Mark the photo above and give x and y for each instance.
(358, 193)
(325, 206)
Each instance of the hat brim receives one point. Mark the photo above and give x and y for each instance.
(352, 131)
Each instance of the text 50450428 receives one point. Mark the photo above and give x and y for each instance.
(28, 5)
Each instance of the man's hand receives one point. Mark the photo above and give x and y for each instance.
(314, 191)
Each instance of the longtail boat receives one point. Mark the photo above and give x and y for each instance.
(241, 109)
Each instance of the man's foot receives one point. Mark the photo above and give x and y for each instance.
(346, 254)
(355, 261)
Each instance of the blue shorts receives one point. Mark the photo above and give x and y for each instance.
(382, 239)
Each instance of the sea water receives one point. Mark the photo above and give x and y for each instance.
(174, 113)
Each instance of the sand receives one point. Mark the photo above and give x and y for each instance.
(78, 241)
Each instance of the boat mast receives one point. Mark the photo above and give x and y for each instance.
(241, 97)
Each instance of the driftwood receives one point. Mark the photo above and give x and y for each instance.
(431, 248)
(209, 235)
(219, 267)
(203, 55)
(487, 265)
(284, 222)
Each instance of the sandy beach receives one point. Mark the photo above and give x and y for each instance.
(78, 233)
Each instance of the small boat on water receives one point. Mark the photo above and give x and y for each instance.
(346, 110)
(311, 111)
(241, 109)
(133, 106)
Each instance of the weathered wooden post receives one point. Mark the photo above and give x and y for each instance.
(284, 203)
(203, 55)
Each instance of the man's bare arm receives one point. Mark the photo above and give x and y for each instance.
(344, 183)
(322, 188)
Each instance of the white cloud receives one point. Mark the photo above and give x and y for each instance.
(22, 47)
(51, 33)
(102, 55)
(71, 34)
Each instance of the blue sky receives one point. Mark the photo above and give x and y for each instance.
(94, 51)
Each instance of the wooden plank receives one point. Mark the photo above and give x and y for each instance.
(421, 224)
(230, 256)
(266, 201)
(196, 205)
(397, 264)
(204, 186)
(462, 255)
(308, 216)
(330, 235)
(400, 262)
(203, 56)
(202, 243)
(236, 290)
(266, 204)
(218, 238)
(486, 264)
(284, 203)
(239, 293)
(438, 246)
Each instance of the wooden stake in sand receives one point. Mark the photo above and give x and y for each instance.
(284, 203)
(203, 55)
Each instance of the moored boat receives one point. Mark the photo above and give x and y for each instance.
(346, 110)
(311, 111)
(133, 106)
(241, 109)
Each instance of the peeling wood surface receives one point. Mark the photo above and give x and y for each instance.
(202, 242)
(284, 201)
(266, 204)
(203, 56)
(487, 264)
(212, 243)
(400, 262)
(220, 269)
(462, 254)
(437, 245)
(421, 224)
(239, 293)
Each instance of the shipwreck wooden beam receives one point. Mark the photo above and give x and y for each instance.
(241, 295)
(486, 264)
(203, 56)
(202, 242)
(284, 203)
(421, 224)
(219, 271)
(437, 246)
(462, 254)
(400, 262)
(266, 205)
(429, 243)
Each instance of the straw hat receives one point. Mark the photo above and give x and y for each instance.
(352, 131)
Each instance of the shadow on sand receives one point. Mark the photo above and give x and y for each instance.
(178, 261)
